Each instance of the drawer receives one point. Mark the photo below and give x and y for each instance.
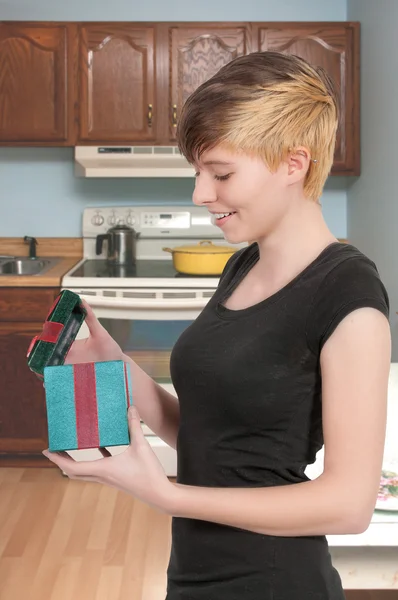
(26, 304)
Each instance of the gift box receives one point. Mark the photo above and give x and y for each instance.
(87, 405)
(60, 328)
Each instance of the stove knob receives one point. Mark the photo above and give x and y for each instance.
(97, 219)
(131, 220)
(113, 220)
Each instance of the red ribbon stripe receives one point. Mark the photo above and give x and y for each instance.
(127, 385)
(86, 405)
(51, 332)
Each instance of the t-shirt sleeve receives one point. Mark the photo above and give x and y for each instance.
(353, 284)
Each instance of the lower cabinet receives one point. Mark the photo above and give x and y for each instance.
(23, 420)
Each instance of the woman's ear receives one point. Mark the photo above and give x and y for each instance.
(298, 162)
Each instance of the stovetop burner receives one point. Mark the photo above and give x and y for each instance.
(143, 269)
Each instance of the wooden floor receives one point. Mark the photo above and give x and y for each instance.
(67, 540)
(62, 540)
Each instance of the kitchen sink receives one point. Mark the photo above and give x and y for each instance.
(26, 266)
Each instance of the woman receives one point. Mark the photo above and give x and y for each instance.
(292, 351)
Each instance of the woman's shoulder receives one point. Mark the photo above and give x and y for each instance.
(345, 269)
(340, 252)
(346, 279)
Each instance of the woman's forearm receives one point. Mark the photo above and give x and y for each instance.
(316, 507)
(158, 408)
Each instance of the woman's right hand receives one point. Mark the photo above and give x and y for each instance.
(99, 346)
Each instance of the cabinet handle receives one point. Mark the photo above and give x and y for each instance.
(174, 115)
(149, 115)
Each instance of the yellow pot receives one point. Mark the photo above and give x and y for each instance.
(205, 258)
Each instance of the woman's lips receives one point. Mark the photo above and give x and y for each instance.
(220, 219)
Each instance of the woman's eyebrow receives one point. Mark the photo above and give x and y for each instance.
(217, 162)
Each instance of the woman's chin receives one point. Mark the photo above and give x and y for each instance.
(235, 237)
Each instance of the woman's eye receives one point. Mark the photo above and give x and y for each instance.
(222, 177)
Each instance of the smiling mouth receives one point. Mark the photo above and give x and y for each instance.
(221, 218)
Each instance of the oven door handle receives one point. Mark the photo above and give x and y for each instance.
(144, 303)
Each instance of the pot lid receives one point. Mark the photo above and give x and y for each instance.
(121, 227)
(203, 247)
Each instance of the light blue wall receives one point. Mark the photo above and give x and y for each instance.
(174, 10)
(373, 197)
(39, 194)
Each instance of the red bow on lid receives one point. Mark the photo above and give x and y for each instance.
(50, 332)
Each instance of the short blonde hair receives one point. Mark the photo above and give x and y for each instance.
(266, 104)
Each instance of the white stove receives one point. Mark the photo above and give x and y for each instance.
(147, 306)
(152, 284)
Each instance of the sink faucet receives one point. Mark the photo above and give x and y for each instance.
(32, 245)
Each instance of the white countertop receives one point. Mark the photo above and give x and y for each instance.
(382, 531)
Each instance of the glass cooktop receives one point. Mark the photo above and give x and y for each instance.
(142, 268)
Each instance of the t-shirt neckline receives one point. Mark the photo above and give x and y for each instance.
(228, 313)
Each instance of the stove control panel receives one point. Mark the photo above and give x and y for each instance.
(151, 221)
(173, 220)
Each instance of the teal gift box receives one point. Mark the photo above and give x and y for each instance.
(87, 405)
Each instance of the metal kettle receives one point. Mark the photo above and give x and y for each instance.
(121, 244)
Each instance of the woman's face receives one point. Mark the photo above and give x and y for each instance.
(245, 199)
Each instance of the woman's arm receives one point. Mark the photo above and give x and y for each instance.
(158, 408)
(355, 364)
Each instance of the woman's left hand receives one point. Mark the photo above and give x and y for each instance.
(136, 471)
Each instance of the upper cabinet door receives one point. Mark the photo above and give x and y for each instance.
(33, 83)
(117, 83)
(335, 47)
(196, 54)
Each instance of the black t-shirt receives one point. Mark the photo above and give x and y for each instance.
(249, 387)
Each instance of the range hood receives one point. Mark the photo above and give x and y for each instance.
(131, 161)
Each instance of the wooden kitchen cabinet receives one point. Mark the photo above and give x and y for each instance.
(36, 84)
(117, 83)
(23, 417)
(18, 304)
(335, 47)
(125, 83)
(196, 53)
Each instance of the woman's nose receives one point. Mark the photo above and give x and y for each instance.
(204, 192)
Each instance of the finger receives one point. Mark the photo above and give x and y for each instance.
(94, 326)
(73, 468)
(136, 433)
(62, 453)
